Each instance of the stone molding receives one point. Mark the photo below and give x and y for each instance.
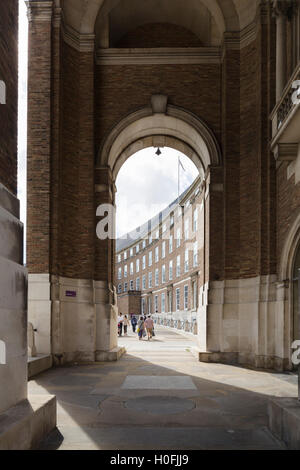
(159, 56)
(286, 8)
(39, 12)
(80, 42)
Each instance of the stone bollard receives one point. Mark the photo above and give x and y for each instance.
(31, 341)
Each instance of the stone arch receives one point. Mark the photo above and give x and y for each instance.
(289, 251)
(176, 128)
(83, 18)
(287, 285)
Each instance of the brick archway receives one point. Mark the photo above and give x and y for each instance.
(175, 127)
(160, 125)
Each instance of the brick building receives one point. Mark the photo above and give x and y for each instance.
(163, 268)
(214, 79)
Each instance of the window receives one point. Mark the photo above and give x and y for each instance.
(125, 255)
(119, 288)
(120, 273)
(131, 285)
(150, 239)
(178, 299)
(171, 244)
(163, 273)
(163, 250)
(149, 305)
(186, 261)
(137, 248)
(125, 270)
(131, 268)
(163, 303)
(144, 244)
(144, 262)
(125, 287)
(164, 228)
(137, 283)
(119, 258)
(178, 238)
(137, 265)
(172, 220)
(143, 306)
(157, 234)
(170, 299)
(186, 297)
(131, 252)
(156, 254)
(156, 303)
(156, 277)
(150, 280)
(195, 225)
(150, 258)
(178, 266)
(144, 281)
(195, 294)
(170, 270)
(186, 229)
(195, 254)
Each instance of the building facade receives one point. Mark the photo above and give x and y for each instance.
(164, 267)
(214, 79)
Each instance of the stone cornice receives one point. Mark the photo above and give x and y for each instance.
(80, 42)
(163, 55)
(39, 12)
(284, 8)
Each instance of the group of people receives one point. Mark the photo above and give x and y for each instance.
(144, 326)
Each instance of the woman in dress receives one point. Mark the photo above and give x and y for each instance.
(141, 327)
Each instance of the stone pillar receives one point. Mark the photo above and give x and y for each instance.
(105, 292)
(282, 10)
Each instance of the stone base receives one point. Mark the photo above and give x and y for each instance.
(259, 362)
(284, 421)
(25, 425)
(109, 356)
(38, 364)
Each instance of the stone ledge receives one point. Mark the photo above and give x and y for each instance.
(23, 426)
(216, 357)
(38, 364)
(284, 421)
(109, 356)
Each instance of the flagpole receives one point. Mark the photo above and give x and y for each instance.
(178, 180)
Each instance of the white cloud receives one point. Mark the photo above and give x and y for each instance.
(146, 184)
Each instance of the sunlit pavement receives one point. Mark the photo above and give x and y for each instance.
(159, 397)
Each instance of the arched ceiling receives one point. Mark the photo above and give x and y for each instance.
(227, 15)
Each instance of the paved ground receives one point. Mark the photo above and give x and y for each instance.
(159, 397)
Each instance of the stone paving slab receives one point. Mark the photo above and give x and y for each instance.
(226, 405)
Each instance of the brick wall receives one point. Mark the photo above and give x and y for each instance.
(8, 112)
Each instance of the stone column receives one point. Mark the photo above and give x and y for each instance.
(105, 293)
(282, 8)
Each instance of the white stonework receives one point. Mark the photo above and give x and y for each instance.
(75, 319)
(246, 317)
(23, 422)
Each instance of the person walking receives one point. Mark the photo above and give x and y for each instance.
(125, 324)
(120, 324)
(141, 328)
(149, 324)
(133, 323)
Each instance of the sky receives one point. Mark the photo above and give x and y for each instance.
(146, 183)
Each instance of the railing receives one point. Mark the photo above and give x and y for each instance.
(187, 325)
(286, 104)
